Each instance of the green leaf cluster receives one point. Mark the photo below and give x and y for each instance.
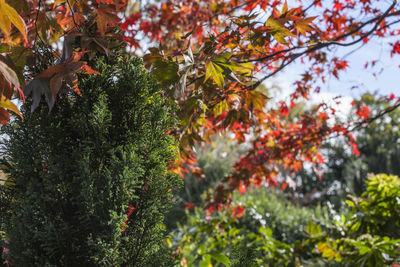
(222, 65)
(220, 240)
(370, 236)
(377, 211)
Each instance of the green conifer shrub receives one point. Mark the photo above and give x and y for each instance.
(91, 179)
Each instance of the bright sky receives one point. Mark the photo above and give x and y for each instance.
(352, 83)
(356, 80)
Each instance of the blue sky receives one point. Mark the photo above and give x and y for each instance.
(356, 80)
(384, 83)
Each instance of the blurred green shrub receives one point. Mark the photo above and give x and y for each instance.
(370, 236)
(219, 240)
(293, 236)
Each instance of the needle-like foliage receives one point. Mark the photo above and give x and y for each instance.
(91, 178)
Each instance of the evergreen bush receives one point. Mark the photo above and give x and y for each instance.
(91, 179)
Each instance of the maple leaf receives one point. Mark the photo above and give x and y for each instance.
(284, 8)
(10, 17)
(38, 87)
(242, 187)
(189, 205)
(284, 110)
(284, 185)
(166, 72)
(319, 158)
(4, 116)
(50, 81)
(221, 64)
(304, 25)
(363, 112)
(214, 71)
(5, 105)
(278, 31)
(354, 148)
(225, 61)
(106, 17)
(396, 48)
(9, 74)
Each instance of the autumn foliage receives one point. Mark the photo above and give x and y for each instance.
(211, 57)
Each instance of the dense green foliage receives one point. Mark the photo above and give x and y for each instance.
(362, 237)
(269, 208)
(377, 211)
(91, 180)
(263, 234)
(219, 239)
(370, 235)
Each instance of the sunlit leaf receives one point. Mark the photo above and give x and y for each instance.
(214, 71)
(9, 16)
(7, 104)
(9, 74)
(221, 258)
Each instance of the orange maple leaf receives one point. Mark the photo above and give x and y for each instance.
(106, 17)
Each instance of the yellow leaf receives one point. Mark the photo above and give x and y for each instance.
(284, 8)
(304, 25)
(5, 23)
(321, 247)
(280, 38)
(9, 16)
(9, 74)
(278, 30)
(270, 143)
(224, 60)
(220, 107)
(243, 68)
(329, 253)
(214, 71)
(6, 103)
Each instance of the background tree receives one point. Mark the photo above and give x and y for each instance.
(345, 173)
(215, 161)
(91, 180)
(218, 52)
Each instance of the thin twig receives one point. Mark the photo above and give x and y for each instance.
(73, 13)
(36, 19)
(321, 45)
(311, 5)
(377, 116)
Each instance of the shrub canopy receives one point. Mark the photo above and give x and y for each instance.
(91, 179)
